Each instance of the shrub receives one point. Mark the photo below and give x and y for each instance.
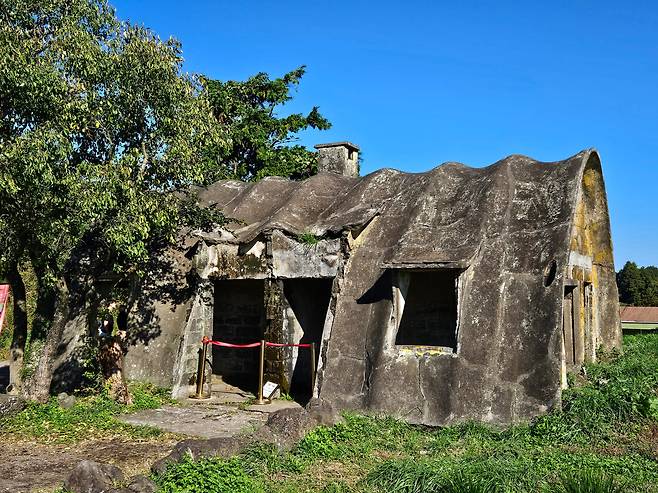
(206, 475)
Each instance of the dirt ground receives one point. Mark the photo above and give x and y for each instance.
(28, 466)
(35, 467)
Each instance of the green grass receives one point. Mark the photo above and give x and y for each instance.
(93, 416)
(604, 440)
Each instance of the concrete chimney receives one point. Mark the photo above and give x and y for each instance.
(338, 157)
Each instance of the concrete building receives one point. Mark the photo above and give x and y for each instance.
(455, 294)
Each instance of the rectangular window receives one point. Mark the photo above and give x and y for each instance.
(426, 307)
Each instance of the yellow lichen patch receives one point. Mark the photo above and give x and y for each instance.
(425, 350)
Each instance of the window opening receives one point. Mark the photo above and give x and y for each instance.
(426, 308)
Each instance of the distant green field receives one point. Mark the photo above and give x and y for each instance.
(632, 326)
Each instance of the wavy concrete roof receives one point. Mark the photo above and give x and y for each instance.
(437, 216)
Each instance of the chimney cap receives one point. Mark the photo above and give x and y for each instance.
(349, 145)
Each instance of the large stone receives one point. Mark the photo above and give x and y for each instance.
(283, 429)
(323, 412)
(93, 477)
(142, 484)
(65, 400)
(286, 427)
(11, 404)
(214, 447)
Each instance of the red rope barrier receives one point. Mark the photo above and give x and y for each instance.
(205, 340)
(276, 344)
(228, 344)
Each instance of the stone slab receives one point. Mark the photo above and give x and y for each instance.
(200, 420)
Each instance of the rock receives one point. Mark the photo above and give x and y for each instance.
(92, 477)
(137, 484)
(11, 404)
(286, 427)
(65, 400)
(323, 412)
(214, 447)
(283, 429)
(141, 484)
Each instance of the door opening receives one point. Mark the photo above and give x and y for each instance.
(308, 301)
(238, 318)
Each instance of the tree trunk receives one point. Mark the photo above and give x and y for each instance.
(20, 325)
(57, 302)
(110, 356)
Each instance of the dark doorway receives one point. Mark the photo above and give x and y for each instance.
(429, 316)
(308, 300)
(238, 318)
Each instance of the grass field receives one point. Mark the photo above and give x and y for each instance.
(604, 440)
(92, 417)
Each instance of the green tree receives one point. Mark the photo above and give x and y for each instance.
(638, 285)
(258, 141)
(100, 130)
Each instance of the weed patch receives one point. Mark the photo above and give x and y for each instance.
(91, 417)
(207, 475)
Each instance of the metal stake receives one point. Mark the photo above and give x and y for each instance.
(201, 372)
(312, 368)
(260, 400)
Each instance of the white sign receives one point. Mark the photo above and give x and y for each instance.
(268, 389)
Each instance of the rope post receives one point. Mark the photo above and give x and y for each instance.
(312, 368)
(260, 400)
(201, 369)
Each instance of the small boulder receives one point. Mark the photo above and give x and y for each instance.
(213, 447)
(11, 404)
(65, 400)
(141, 484)
(92, 477)
(323, 412)
(286, 427)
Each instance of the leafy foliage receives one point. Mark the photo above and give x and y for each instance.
(204, 475)
(308, 239)
(638, 285)
(101, 137)
(257, 140)
(99, 128)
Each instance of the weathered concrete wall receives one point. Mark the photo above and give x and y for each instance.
(341, 158)
(507, 366)
(157, 321)
(197, 326)
(294, 259)
(505, 228)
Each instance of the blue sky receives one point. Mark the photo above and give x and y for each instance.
(416, 84)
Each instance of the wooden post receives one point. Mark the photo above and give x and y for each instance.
(312, 368)
(261, 371)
